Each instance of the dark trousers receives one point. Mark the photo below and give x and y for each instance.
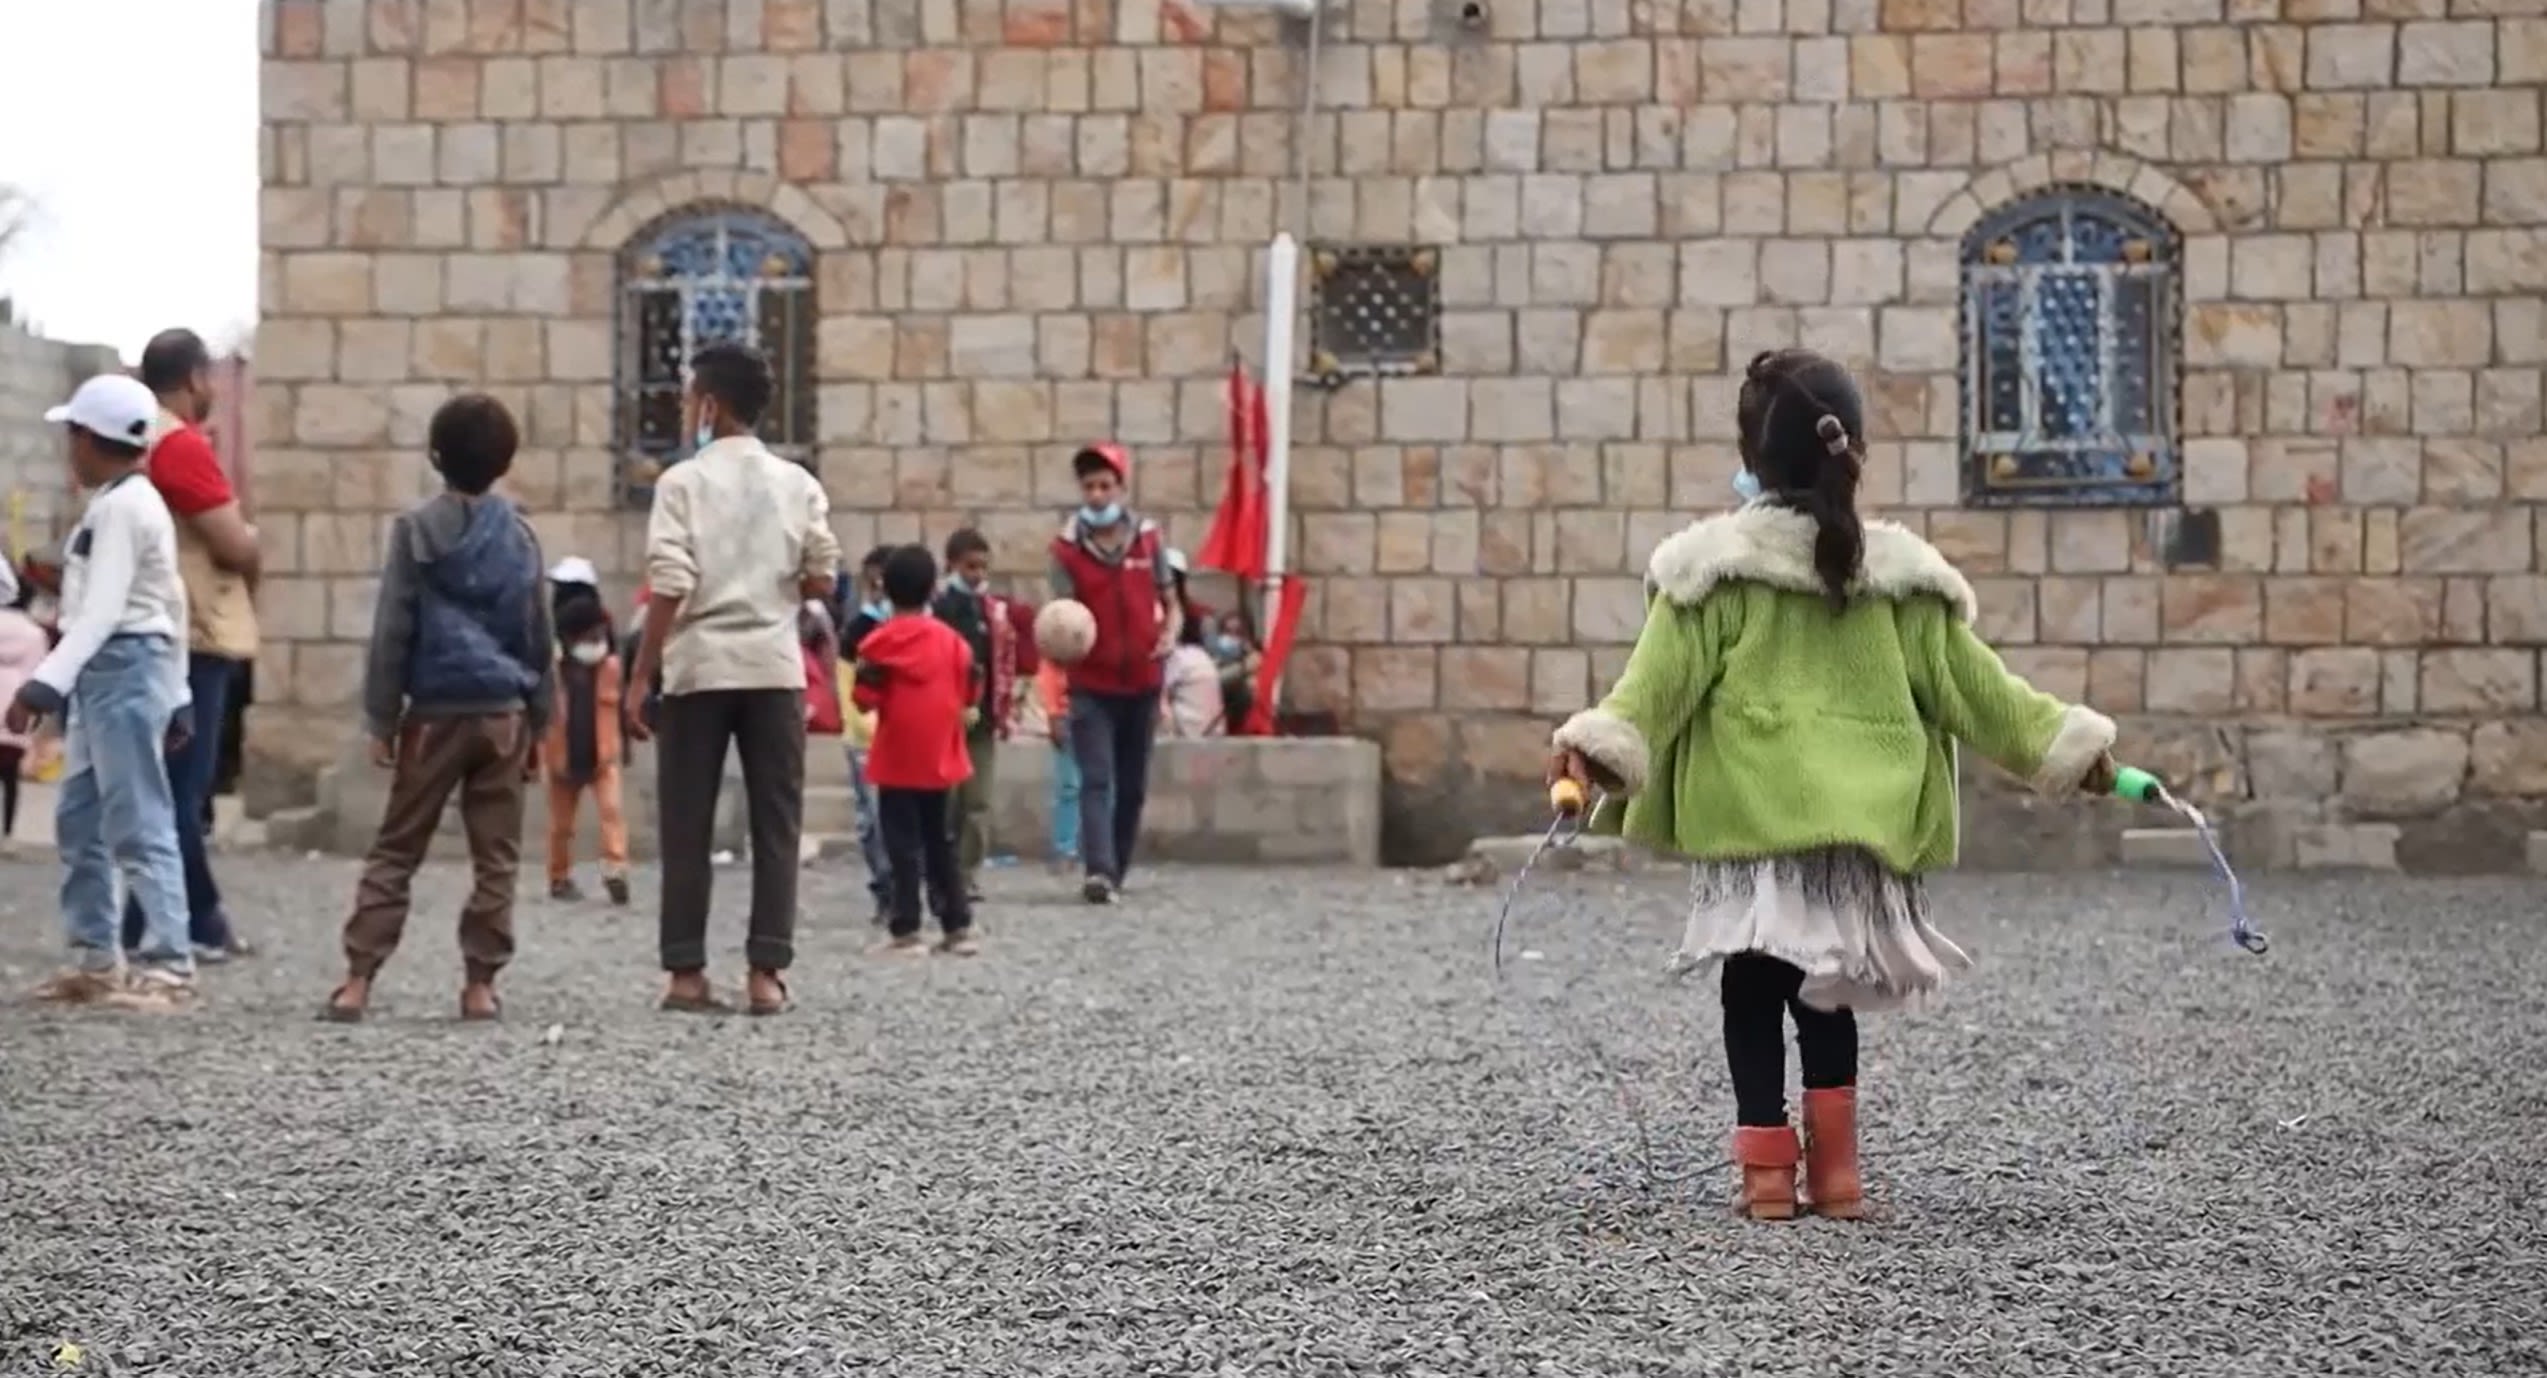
(1759, 994)
(766, 727)
(917, 841)
(1110, 736)
(13, 760)
(481, 758)
(211, 679)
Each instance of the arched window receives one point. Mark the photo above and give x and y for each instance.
(695, 278)
(2069, 352)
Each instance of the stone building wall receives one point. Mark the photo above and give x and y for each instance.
(35, 488)
(1043, 220)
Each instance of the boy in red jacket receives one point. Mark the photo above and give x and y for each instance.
(916, 674)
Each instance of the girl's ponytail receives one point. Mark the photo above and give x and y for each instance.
(1839, 543)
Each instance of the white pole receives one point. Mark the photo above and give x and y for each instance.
(1282, 292)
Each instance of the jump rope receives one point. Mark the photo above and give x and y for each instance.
(1573, 810)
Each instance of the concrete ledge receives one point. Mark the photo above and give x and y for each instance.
(2347, 847)
(1491, 859)
(2538, 853)
(1237, 799)
(2164, 847)
(1219, 799)
(354, 792)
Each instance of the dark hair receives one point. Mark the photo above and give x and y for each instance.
(910, 576)
(966, 541)
(172, 359)
(580, 614)
(737, 377)
(1091, 460)
(875, 558)
(472, 438)
(1803, 431)
(121, 451)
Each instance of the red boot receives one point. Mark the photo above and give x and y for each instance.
(1767, 1159)
(1830, 1154)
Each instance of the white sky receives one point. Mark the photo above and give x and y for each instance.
(132, 125)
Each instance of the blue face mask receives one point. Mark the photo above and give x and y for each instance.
(1746, 485)
(1226, 648)
(879, 609)
(1107, 515)
(962, 584)
(703, 439)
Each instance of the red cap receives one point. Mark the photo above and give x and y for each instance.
(1110, 455)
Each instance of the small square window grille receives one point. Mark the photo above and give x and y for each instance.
(1375, 309)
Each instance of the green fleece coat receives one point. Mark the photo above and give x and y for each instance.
(1754, 721)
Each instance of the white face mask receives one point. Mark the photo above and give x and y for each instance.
(590, 653)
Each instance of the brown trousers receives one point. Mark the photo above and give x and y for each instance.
(482, 758)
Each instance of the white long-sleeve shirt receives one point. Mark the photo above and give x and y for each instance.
(119, 579)
(734, 533)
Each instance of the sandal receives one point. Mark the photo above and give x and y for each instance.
(765, 1008)
(705, 1002)
(494, 1009)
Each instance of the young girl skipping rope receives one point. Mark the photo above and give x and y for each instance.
(1787, 721)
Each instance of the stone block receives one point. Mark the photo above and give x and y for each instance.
(2405, 772)
(2537, 853)
(2346, 846)
(2157, 847)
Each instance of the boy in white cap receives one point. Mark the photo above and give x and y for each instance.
(118, 679)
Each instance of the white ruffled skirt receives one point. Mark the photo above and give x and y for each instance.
(1858, 929)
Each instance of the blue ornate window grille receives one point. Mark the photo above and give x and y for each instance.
(2070, 302)
(697, 278)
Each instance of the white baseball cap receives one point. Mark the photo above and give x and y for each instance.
(1176, 561)
(575, 569)
(110, 406)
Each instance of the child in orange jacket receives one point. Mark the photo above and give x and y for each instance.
(583, 752)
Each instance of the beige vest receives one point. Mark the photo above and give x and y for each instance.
(222, 610)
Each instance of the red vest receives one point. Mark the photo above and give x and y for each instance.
(1125, 600)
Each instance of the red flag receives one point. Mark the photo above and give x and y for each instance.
(1236, 542)
(1286, 627)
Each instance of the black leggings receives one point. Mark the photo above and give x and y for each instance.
(12, 759)
(922, 855)
(1759, 993)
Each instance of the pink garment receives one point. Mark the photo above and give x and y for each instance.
(22, 648)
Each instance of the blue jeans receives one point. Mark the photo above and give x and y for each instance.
(117, 812)
(190, 771)
(1110, 734)
(1065, 805)
(870, 837)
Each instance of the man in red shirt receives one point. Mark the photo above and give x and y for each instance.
(917, 675)
(217, 559)
(1110, 559)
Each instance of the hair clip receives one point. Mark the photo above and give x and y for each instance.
(1834, 434)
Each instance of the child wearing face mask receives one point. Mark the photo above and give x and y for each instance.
(583, 752)
(1000, 632)
(1190, 703)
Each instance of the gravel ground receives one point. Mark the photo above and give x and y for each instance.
(1284, 1123)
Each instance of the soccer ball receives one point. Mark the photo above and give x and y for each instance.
(1065, 631)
